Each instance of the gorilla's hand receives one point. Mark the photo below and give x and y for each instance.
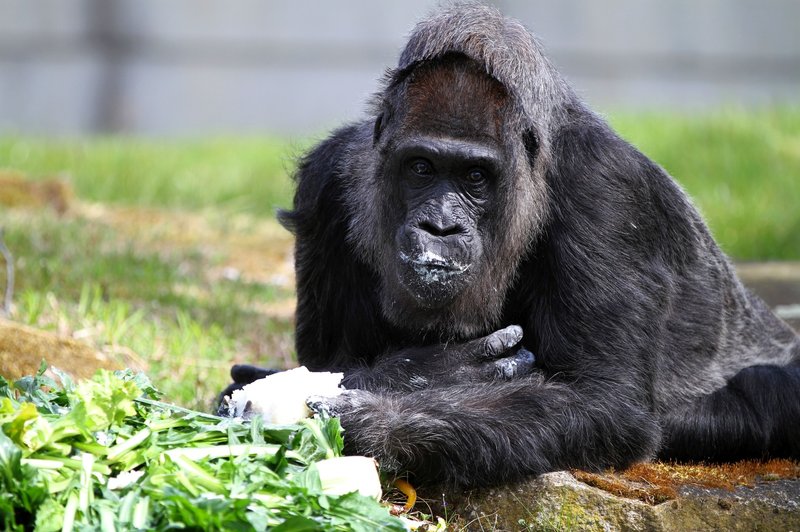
(245, 374)
(496, 356)
(338, 405)
(242, 374)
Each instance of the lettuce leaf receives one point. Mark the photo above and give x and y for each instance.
(105, 453)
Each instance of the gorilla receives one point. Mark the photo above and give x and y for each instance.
(510, 288)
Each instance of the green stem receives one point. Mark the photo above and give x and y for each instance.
(180, 409)
(85, 495)
(165, 424)
(94, 448)
(223, 451)
(141, 513)
(62, 430)
(314, 427)
(69, 513)
(50, 462)
(198, 474)
(117, 450)
(40, 463)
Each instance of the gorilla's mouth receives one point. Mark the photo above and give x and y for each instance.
(433, 268)
(433, 280)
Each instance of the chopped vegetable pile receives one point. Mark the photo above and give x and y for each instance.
(106, 454)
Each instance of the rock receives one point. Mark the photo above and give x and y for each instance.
(18, 191)
(22, 349)
(773, 506)
(555, 501)
(558, 501)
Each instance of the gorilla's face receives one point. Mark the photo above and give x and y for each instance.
(446, 186)
(446, 202)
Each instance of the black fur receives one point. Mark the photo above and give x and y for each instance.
(645, 341)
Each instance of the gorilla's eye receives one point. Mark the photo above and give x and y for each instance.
(476, 176)
(421, 168)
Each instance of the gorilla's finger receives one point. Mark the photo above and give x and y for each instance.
(333, 406)
(222, 408)
(499, 342)
(245, 373)
(321, 405)
(522, 362)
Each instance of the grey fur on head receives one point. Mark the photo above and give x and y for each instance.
(508, 51)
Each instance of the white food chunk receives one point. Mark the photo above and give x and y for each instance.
(346, 474)
(124, 479)
(281, 398)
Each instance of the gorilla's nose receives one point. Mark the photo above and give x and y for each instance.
(441, 227)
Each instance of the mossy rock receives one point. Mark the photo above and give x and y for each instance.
(558, 501)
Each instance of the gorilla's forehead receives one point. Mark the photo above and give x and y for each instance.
(456, 150)
(455, 98)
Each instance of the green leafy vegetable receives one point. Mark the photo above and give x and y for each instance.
(106, 454)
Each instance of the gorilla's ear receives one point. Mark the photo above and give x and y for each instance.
(531, 141)
(377, 129)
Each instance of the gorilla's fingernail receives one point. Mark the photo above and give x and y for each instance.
(525, 356)
(513, 335)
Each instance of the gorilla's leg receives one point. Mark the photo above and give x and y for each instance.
(756, 415)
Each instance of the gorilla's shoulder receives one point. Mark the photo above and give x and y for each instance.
(326, 159)
(319, 174)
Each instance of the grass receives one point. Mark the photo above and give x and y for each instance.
(183, 284)
(742, 168)
(165, 309)
(236, 174)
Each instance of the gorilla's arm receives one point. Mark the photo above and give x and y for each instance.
(338, 325)
(494, 357)
(486, 433)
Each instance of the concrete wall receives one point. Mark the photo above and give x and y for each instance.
(178, 67)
